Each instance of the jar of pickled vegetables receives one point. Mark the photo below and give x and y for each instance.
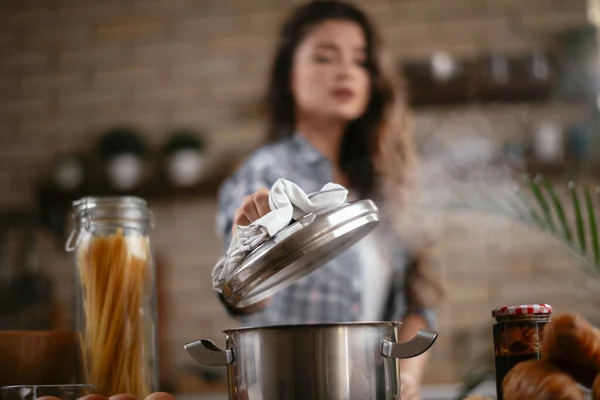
(517, 336)
(115, 294)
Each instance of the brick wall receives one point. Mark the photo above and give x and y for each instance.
(68, 69)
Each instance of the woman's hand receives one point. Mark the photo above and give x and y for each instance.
(253, 207)
(409, 388)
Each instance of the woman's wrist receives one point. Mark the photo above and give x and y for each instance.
(411, 377)
(410, 371)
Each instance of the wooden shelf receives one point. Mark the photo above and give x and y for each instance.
(568, 169)
(473, 83)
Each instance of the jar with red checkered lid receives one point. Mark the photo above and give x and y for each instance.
(517, 336)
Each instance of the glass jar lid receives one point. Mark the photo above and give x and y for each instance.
(112, 207)
(126, 211)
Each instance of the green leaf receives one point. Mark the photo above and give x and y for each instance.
(593, 228)
(532, 212)
(184, 139)
(578, 217)
(542, 203)
(122, 140)
(559, 210)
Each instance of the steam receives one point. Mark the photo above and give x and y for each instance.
(463, 170)
(468, 187)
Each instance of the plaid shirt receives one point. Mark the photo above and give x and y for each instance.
(331, 293)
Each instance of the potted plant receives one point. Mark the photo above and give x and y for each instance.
(184, 156)
(122, 149)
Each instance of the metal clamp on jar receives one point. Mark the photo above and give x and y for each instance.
(517, 336)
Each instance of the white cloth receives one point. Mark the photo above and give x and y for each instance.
(288, 202)
(377, 275)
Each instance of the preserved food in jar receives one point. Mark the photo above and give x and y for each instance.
(517, 336)
(115, 294)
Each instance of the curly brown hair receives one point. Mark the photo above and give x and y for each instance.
(377, 154)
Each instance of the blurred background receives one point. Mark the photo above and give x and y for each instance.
(497, 86)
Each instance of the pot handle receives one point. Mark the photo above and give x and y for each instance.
(206, 352)
(419, 344)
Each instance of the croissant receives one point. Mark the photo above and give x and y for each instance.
(596, 388)
(538, 380)
(573, 345)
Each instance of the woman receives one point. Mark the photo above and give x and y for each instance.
(336, 116)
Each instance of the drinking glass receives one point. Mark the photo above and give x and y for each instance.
(32, 392)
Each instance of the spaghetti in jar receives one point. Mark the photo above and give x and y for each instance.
(115, 294)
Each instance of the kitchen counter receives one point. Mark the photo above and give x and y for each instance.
(429, 392)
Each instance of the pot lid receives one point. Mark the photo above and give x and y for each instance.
(299, 249)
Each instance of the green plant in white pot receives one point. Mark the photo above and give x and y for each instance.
(123, 150)
(184, 157)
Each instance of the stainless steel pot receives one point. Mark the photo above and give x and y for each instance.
(322, 361)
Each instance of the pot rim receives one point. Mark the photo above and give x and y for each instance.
(324, 325)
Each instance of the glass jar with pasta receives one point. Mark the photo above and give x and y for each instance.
(116, 295)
